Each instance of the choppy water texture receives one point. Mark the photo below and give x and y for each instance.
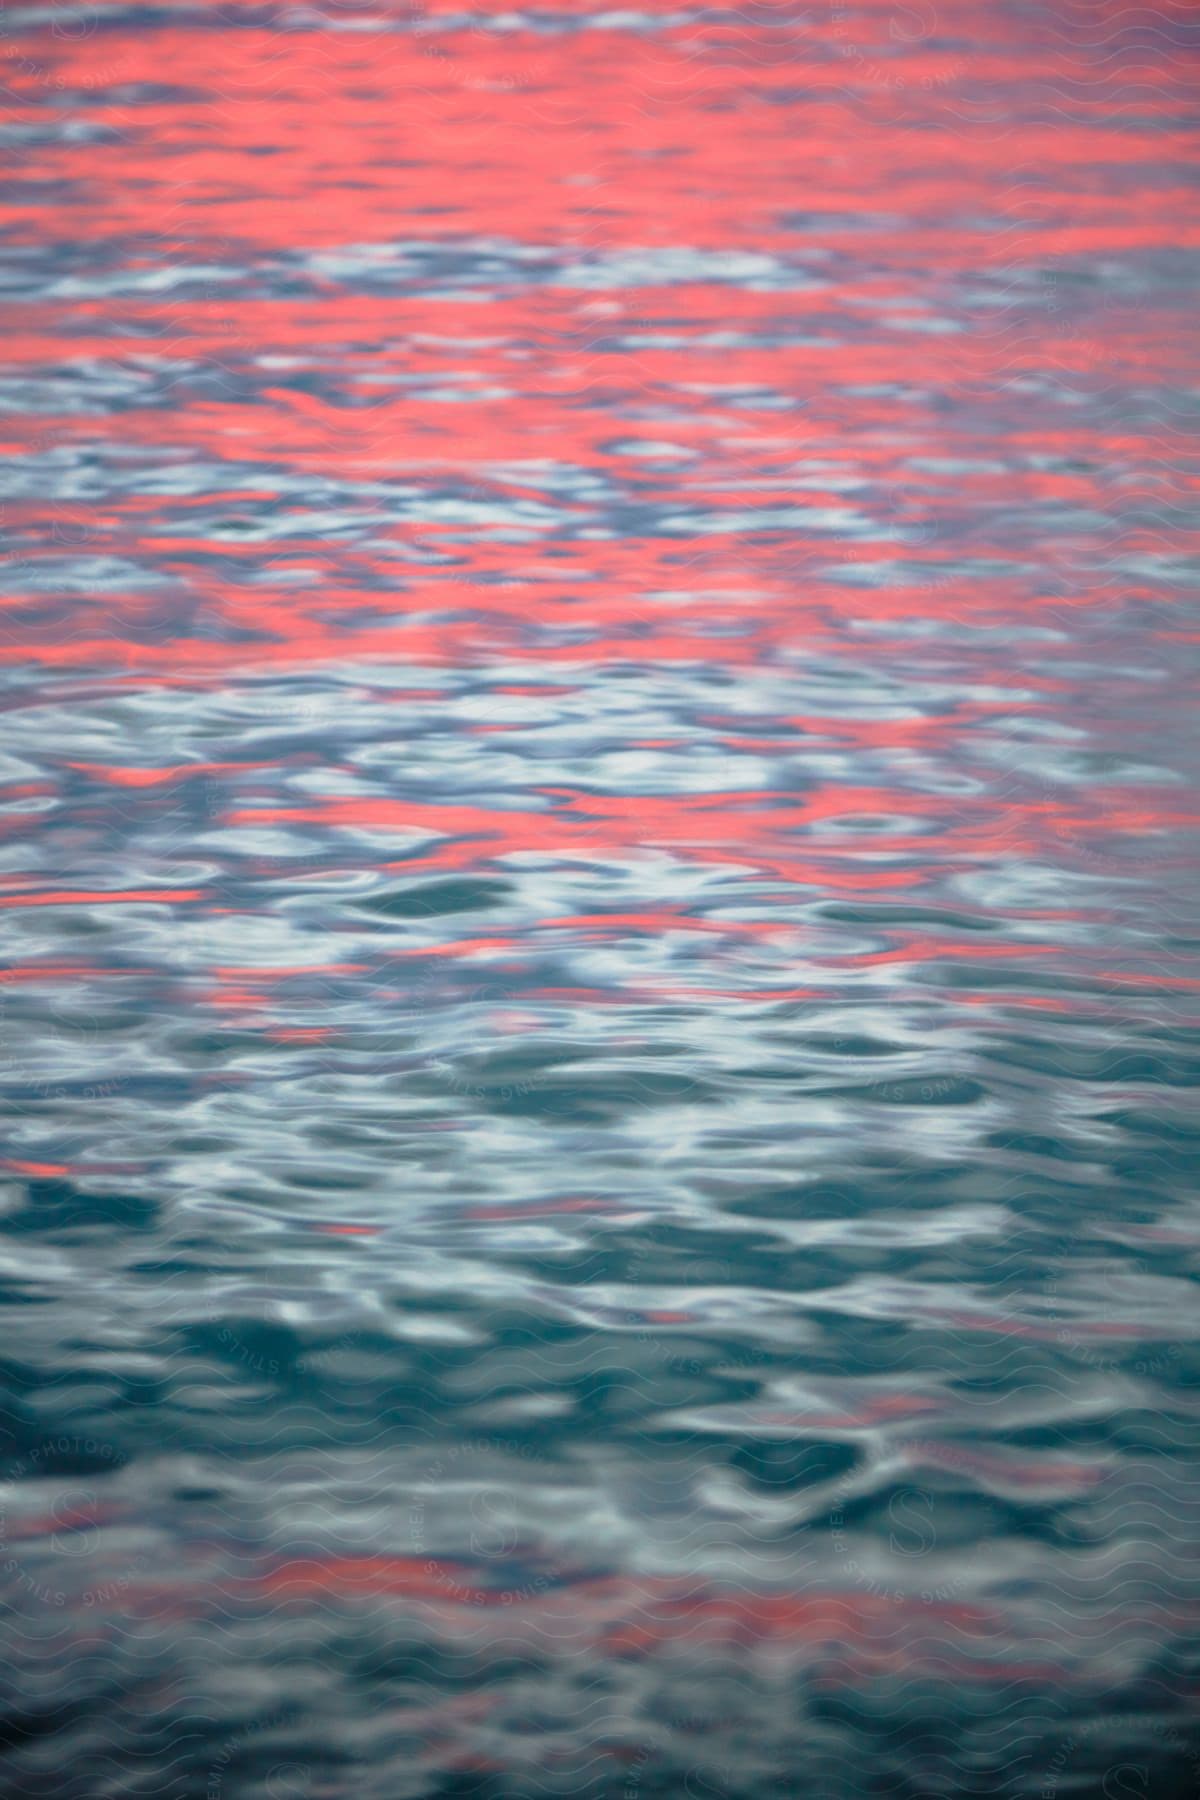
(600, 998)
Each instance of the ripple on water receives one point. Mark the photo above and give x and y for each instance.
(598, 984)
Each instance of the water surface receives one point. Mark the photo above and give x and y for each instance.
(600, 992)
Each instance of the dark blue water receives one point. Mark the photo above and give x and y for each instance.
(599, 996)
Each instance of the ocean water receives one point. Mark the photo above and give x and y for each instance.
(599, 993)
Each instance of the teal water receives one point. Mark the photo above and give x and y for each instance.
(599, 987)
